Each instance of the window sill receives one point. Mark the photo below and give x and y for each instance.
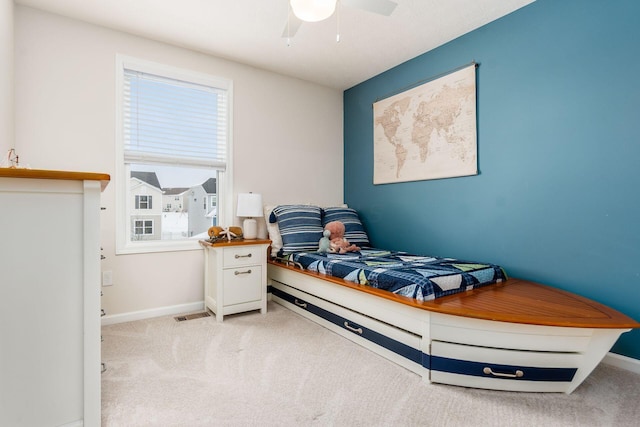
(151, 247)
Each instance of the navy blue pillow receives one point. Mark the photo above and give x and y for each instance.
(300, 227)
(354, 230)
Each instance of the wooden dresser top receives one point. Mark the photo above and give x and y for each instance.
(53, 174)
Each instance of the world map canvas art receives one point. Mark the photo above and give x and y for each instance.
(427, 132)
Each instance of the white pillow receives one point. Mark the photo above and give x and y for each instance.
(273, 230)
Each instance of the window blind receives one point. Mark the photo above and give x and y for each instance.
(170, 121)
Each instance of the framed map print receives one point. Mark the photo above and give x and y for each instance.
(427, 132)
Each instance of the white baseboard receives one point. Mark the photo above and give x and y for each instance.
(624, 362)
(152, 312)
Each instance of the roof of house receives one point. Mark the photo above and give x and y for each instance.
(210, 186)
(174, 191)
(149, 177)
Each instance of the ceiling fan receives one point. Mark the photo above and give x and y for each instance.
(317, 10)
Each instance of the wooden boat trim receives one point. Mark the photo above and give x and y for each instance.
(513, 301)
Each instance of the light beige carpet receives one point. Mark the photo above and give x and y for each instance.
(281, 369)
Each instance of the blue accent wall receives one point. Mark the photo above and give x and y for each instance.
(556, 200)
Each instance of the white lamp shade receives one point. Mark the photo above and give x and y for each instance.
(313, 10)
(249, 205)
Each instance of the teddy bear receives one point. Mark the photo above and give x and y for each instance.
(338, 244)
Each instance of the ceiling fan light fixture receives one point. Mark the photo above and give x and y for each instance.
(313, 10)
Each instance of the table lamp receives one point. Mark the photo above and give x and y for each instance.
(249, 206)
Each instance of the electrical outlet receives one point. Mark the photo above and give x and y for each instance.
(107, 278)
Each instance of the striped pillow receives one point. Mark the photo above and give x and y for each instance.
(300, 227)
(354, 230)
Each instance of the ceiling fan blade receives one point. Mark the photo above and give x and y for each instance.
(382, 7)
(291, 26)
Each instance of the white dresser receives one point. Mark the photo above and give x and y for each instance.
(235, 277)
(50, 297)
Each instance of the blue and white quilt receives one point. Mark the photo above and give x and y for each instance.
(421, 277)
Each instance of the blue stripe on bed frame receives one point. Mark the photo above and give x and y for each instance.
(465, 367)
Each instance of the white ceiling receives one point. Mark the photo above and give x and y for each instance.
(249, 31)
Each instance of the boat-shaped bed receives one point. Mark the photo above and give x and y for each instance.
(450, 321)
(514, 335)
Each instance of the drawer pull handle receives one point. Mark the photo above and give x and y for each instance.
(352, 329)
(243, 256)
(242, 272)
(487, 370)
(300, 304)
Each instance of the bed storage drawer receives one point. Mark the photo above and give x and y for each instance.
(502, 369)
(364, 330)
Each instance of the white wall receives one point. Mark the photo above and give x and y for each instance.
(6, 76)
(287, 137)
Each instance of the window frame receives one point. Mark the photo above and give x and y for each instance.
(124, 245)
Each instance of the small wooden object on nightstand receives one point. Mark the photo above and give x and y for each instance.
(235, 276)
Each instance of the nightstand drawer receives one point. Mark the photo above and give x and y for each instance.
(242, 285)
(242, 255)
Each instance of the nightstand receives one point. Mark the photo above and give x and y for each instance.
(235, 276)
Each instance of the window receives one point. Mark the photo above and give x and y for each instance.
(143, 202)
(173, 144)
(143, 227)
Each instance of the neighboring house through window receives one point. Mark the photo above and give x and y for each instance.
(173, 142)
(143, 186)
